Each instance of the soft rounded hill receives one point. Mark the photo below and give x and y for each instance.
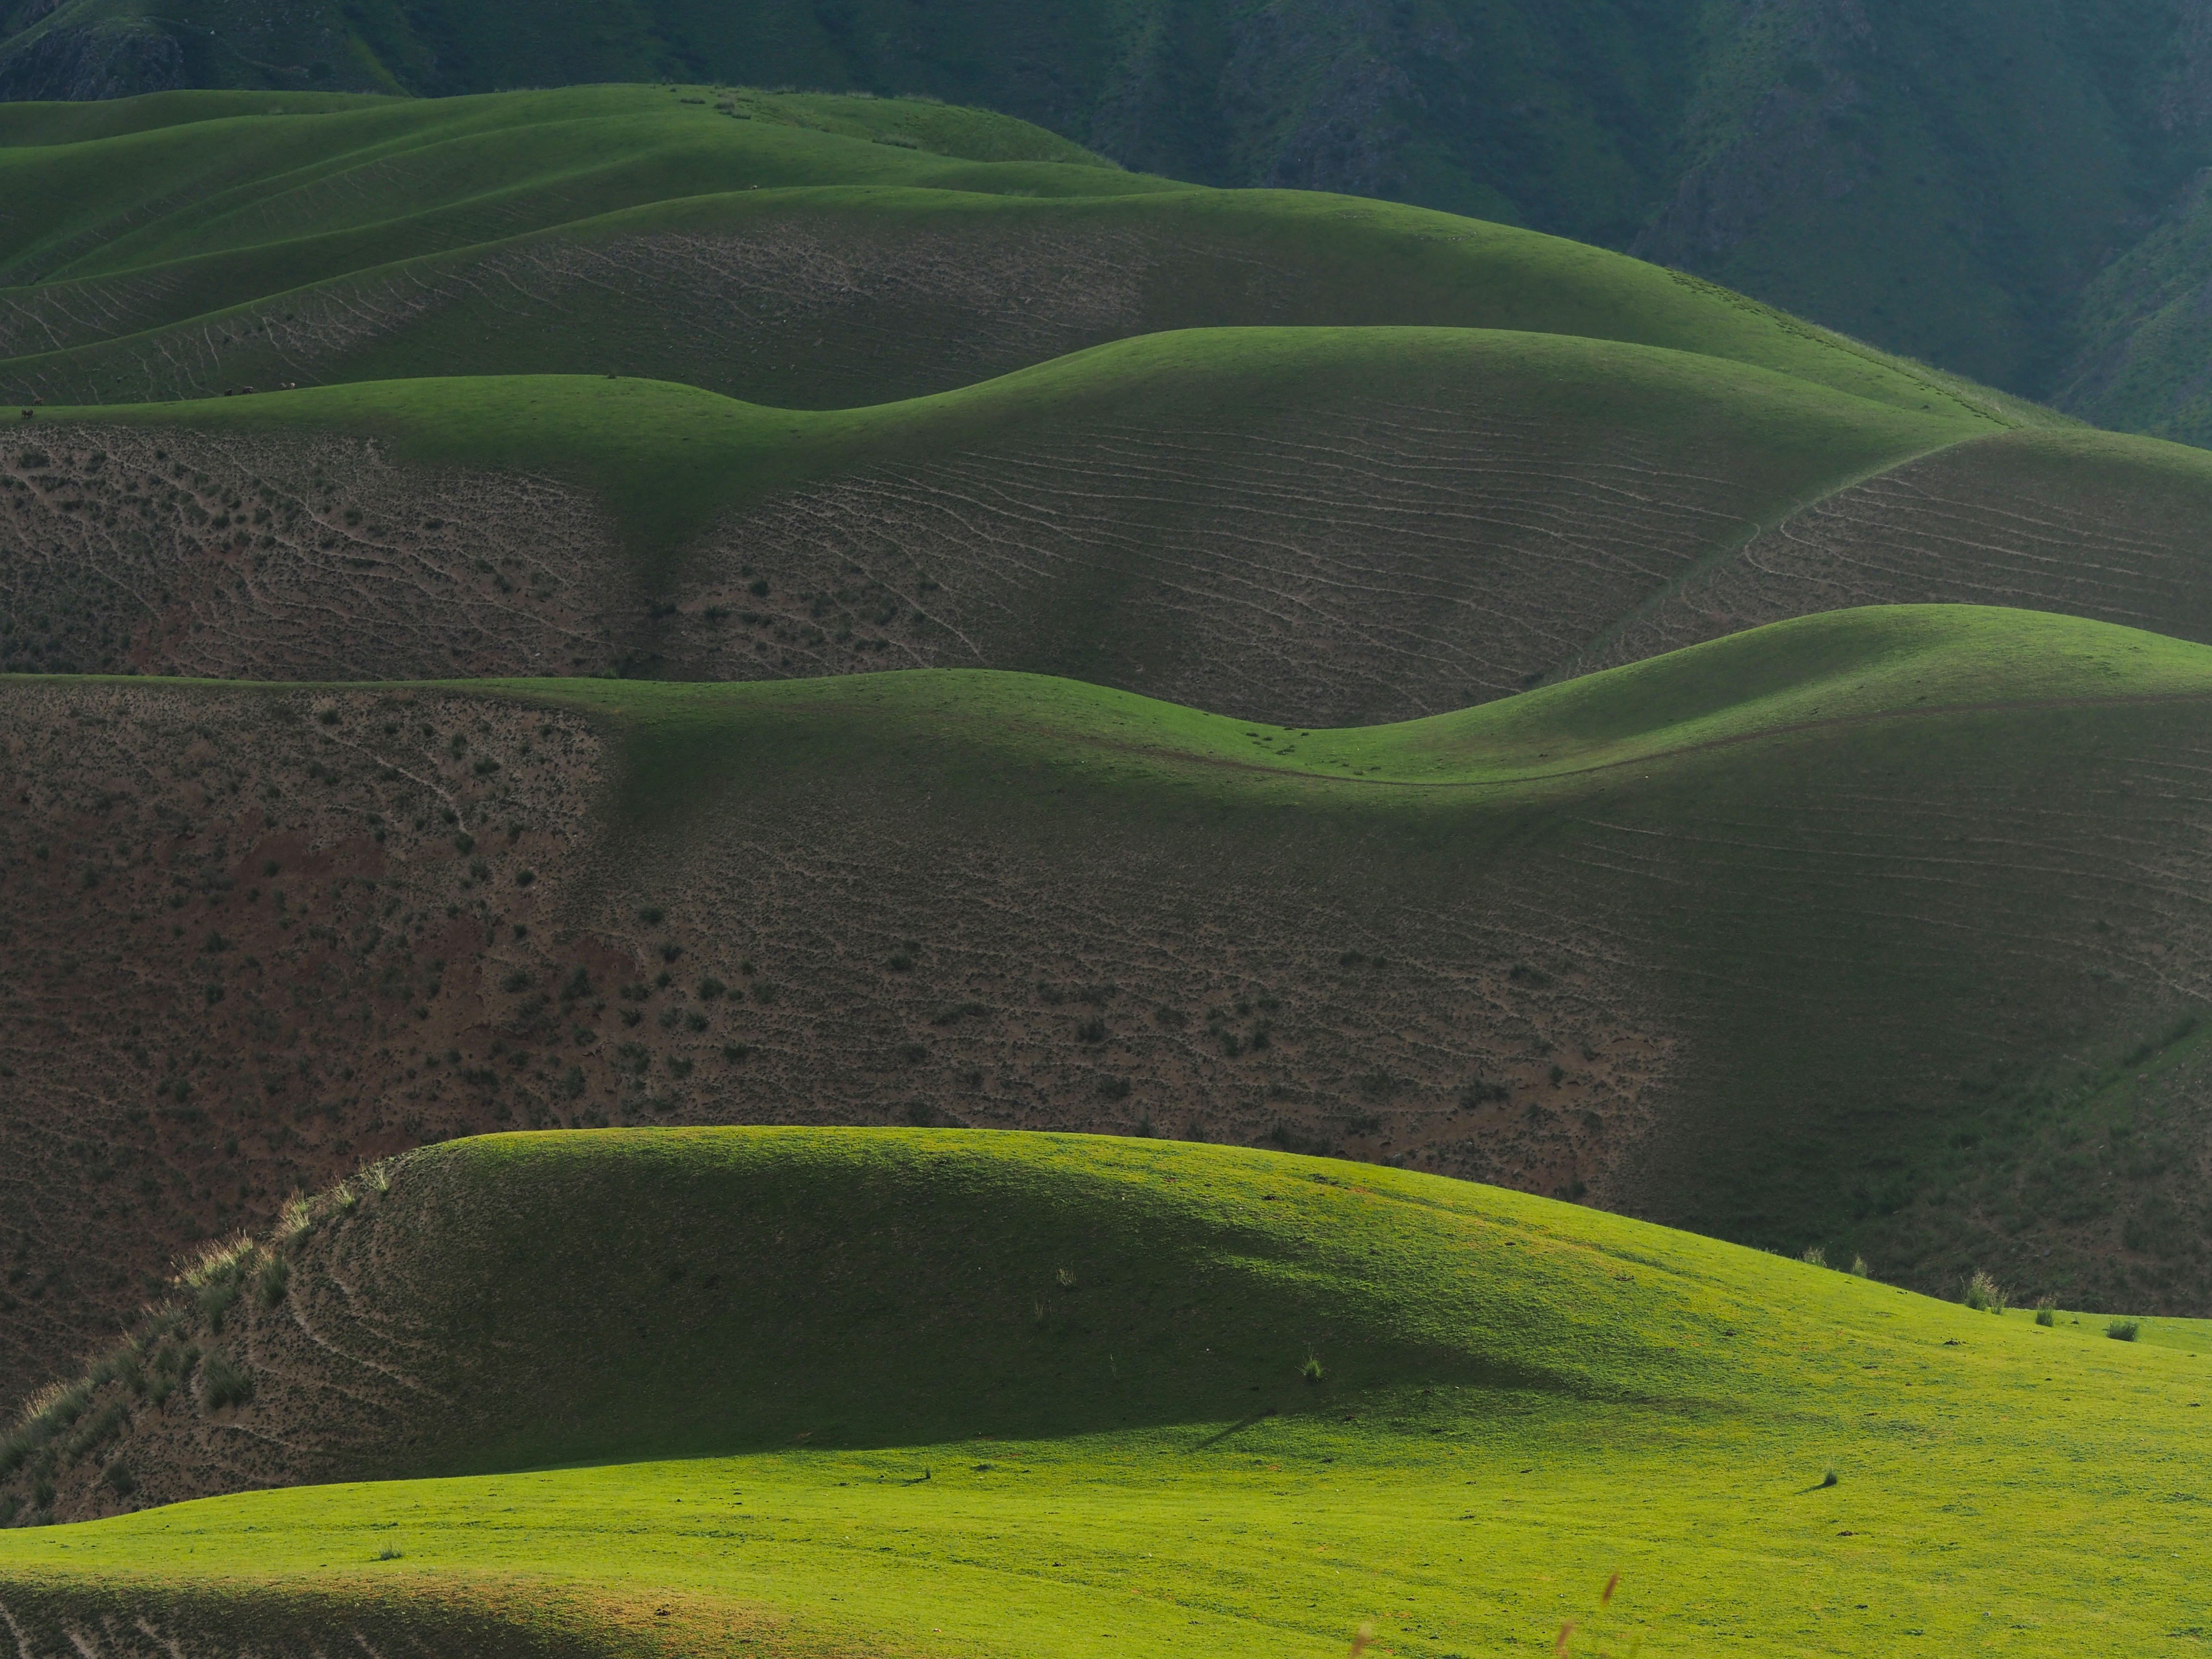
(1882, 930)
(726, 1290)
(805, 250)
(1332, 525)
(847, 1391)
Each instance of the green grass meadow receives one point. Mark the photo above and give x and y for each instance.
(1518, 1400)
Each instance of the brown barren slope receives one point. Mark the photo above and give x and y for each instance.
(1747, 992)
(1333, 527)
(2085, 524)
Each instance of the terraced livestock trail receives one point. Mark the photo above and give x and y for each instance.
(808, 311)
(1361, 563)
(2084, 523)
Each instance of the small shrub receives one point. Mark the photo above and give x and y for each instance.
(1091, 1030)
(1814, 1256)
(1064, 1278)
(388, 1554)
(1113, 1088)
(711, 988)
(1984, 1295)
(269, 1284)
(215, 1300)
(1858, 1266)
(652, 915)
(1828, 1476)
(2124, 1330)
(1312, 1371)
(900, 963)
(119, 1478)
(2046, 1312)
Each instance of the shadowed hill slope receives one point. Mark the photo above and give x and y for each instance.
(1883, 929)
(1329, 525)
(727, 1289)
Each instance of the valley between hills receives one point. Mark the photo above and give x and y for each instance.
(790, 871)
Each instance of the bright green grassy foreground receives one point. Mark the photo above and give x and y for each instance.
(1678, 1407)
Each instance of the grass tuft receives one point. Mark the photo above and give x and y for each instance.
(223, 1381)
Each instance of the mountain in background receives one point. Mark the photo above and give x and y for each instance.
(2009, 189)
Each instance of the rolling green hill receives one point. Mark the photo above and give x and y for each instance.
(1883, 931)
(951, 1393)
(805, 250)
(1948, 179)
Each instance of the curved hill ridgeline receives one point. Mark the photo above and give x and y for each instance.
(821, 252)
(1320, 525)
(1884, 930)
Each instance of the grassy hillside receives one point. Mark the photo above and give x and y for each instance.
(957, 1393)
(1334, 525)
(1944, 180)
(796, 250)
(1884, 930)
(2139, 341)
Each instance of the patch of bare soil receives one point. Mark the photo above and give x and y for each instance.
(246, 557)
